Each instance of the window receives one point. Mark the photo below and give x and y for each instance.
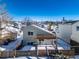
(30, 33)
(77, 28)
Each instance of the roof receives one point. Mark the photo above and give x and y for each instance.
(43, 29)
(71, 22)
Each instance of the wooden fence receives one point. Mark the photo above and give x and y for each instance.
(6, 54)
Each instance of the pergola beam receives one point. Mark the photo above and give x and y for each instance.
(42, 37)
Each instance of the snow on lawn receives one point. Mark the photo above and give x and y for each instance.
(49, 47)
(29, 57)
(77, 57)
(63, 44)
(2, 49)
(26, 48)
(18, 58)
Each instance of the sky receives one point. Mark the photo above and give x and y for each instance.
(56, 9)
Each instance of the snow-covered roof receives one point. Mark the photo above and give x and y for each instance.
(12, 29)
(43, 29)
(4, 32)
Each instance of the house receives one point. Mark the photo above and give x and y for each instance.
(64, 31)
(75, 37)
(69, 32)
(33, 33)
(3, 21)
(75, 32)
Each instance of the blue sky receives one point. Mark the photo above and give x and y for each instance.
(49, 8)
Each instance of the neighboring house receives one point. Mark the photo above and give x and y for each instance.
(3, 21)
(68, 30)
(75, 37)
(3, 24)
(75, 32)
(33, 33)
(64, 31)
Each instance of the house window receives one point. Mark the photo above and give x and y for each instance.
(30, 33)
(77, 28)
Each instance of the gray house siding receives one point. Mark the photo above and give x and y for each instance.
(28, 38)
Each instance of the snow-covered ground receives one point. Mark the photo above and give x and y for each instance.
(76, 57)
(29, 57)
(40, 47)
(63, 44)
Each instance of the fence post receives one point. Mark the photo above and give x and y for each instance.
(0, 53)
(14, 54)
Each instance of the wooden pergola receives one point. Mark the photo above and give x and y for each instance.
(42, 37)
